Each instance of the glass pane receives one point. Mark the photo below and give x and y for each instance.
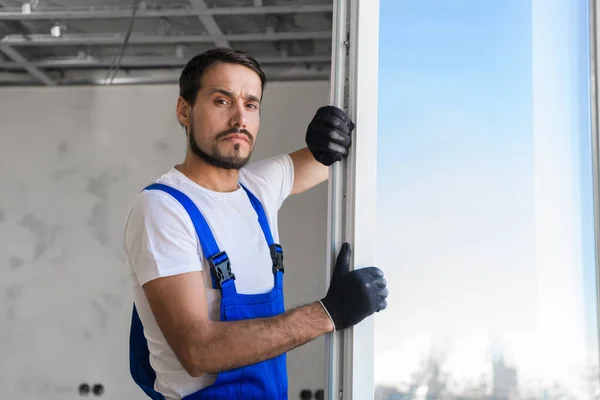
(485, 203)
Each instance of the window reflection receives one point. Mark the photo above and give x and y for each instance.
(485, 209)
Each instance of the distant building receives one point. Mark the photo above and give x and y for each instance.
(504, 381)
(389, 393)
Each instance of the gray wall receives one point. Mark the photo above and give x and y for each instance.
(70, 161)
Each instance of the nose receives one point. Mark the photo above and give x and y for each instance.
(238, 116)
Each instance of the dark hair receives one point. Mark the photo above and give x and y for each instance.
(189, 81)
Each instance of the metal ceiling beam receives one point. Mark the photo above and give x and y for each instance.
(18, 58)
(170, 76)
(96, 39)
(125, 12)
(34, 71)
(150, 62)
(174, 79)
(209, 23)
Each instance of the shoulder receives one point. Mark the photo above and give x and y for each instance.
(154, 204)
(270, 179)
(156, 210)
(153, 201)
(263, 168)
(159, 237)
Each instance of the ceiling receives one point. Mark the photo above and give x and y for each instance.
(100, 42)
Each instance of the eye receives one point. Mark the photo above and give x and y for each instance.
(252, 105)
(222, 102)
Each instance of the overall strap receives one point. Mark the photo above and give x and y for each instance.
(276, 250)
(218, 260)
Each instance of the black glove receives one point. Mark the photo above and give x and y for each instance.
(328, 135)
(354, 295)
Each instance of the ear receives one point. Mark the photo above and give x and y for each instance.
(183, 111)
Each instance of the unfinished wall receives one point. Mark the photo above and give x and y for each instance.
(70, 161)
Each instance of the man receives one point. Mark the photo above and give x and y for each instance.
(201, 243)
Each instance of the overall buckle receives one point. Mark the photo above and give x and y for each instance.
(277, 257)
(220, 268)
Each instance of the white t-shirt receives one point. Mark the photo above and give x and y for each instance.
(160, 240)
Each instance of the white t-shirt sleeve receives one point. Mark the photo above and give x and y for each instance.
(159, 237)
(275, 177)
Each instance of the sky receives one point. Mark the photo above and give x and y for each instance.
(484, 217)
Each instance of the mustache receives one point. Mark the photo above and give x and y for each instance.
(236, 131)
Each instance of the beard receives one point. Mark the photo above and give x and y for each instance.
(215, 158)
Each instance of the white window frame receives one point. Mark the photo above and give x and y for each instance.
(352, 186)
(352, 183)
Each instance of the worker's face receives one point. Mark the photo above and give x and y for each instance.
(225, 119)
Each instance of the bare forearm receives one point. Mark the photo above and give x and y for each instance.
(228, 345)
(308, 172)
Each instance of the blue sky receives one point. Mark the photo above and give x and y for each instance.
(483, 115)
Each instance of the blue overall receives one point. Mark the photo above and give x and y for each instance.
(264, 380)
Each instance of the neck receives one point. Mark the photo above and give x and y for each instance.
(209, 176)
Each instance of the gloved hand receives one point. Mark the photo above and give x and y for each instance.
(328, 135)
(354, 295)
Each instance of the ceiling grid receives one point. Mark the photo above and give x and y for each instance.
(76, 42)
